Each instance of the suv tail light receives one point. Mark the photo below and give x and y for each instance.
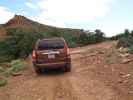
(33, 54)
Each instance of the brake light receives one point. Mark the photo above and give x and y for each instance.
(33, 54)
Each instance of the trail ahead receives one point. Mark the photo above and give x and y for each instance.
(93, 77)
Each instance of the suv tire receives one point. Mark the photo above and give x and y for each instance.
(67, 68)
(38, 71)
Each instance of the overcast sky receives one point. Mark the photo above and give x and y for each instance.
(111, 16)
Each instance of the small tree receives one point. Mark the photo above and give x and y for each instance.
(126, 32)
(99, 35)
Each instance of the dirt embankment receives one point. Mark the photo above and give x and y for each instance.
(98, 73)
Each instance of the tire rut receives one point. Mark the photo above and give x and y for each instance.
(64, 90)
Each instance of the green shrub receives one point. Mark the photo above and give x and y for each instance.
(83, 39)
(92, 37)
(71, 41)
(3, 82)
(126, 33)
(2, 70)
(130, 50)
(16, 66)
(18, 44)
(125, 42)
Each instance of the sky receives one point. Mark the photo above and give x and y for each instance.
(111, 16)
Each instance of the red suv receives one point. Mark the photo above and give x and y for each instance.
(51, 53)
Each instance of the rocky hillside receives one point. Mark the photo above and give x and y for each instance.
(28, 25)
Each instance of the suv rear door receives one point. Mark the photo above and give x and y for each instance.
(51, 51)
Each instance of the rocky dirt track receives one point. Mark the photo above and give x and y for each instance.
(97, 74)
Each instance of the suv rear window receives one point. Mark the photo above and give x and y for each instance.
(50, 44)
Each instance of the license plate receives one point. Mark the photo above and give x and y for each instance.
(51, 56)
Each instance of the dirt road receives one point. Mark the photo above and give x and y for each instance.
(91, 78)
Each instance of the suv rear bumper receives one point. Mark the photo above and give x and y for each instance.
(51, 65)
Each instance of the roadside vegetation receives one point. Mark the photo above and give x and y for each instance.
(19, 43)
(14, 68)
(125, 40)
